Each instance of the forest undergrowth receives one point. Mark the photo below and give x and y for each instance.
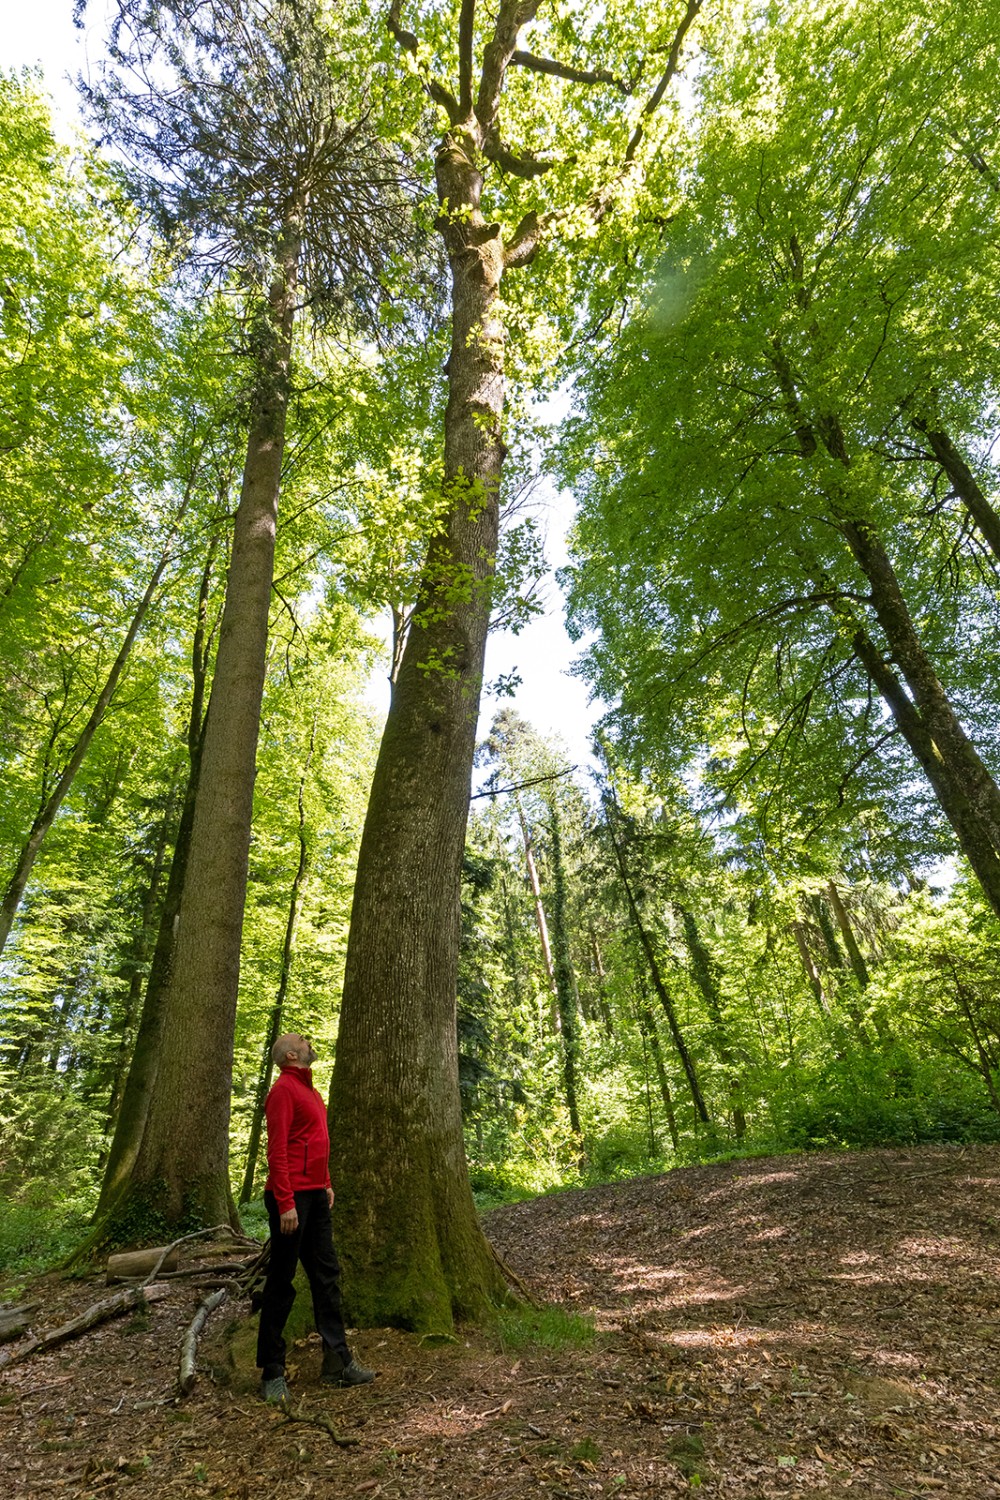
(822, 1323)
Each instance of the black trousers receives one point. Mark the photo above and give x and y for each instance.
(312, 1244)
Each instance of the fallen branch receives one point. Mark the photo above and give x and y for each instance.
(197, 1234)
(319, 1421)
(14, 1321)
(189, 1348)
(101, 1312)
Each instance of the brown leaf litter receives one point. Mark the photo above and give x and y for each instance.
(799, 1325)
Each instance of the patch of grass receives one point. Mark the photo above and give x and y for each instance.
(586, 1451)
(253, 1217)
(547, 1327)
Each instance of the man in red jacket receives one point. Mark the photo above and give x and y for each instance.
(298, 1198)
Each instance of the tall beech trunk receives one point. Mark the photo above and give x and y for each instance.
(412, 1248)
(296, 898)
(413, 1252)
(51, 804)
(703, 971)
(810, 969)
(564, 976)
(130, 1119)
(181, 1171)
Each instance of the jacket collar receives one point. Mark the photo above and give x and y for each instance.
(305, 1074)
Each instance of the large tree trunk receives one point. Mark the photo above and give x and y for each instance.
(130, 1118)
(413, 1252)
(181, 1172)
(965, 486)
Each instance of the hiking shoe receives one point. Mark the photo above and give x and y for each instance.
(275, 1391)
(335, 1372)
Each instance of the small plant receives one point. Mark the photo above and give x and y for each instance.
(547, 1327)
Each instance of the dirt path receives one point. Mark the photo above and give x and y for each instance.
(823, 1324)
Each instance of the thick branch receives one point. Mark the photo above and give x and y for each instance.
(556, 69)
(466, 25)
(408, 41)
(673, 62)
(513, 14)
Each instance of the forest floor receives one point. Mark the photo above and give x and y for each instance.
(774, 1327)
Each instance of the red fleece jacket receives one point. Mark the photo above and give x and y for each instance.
(298, 1143)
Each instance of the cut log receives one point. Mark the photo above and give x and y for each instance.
(14, 1321)
(189, 1348)
(132, 1264)
(101, 1312)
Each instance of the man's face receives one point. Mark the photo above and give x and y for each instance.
(307, 1052)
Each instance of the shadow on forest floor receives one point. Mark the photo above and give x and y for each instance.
(774, 1327)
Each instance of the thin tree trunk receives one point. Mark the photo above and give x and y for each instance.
(647, 1025)
(46, 814)
(181, 1172)
(296, 898)
(856, 958)
(810, 969)
(565, 979)
(142, 945)
(659, 984)
(703, 970)
(540, 920)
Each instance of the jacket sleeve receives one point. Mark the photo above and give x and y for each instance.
(279, 1110)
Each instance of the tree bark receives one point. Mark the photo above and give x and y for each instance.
(965, 486)
(130, 1120)
(181, 1171)
(855, 957)
(647, 1026)
(412, 1249)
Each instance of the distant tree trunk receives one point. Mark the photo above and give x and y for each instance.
(810, 969)
(181, 1172)
(130, 1120)
(51, 804)
(564, 977)
(659, 984)
(845, 997)
(647, 1026)
(540, 920)
(601, 974)
(703, 972)
(856, 958)
(296, 899)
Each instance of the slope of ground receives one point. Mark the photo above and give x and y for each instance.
(821, 1324)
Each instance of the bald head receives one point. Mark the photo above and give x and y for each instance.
(293, 1051)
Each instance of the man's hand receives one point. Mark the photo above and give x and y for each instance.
(329, 1197)
(290, 1221)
